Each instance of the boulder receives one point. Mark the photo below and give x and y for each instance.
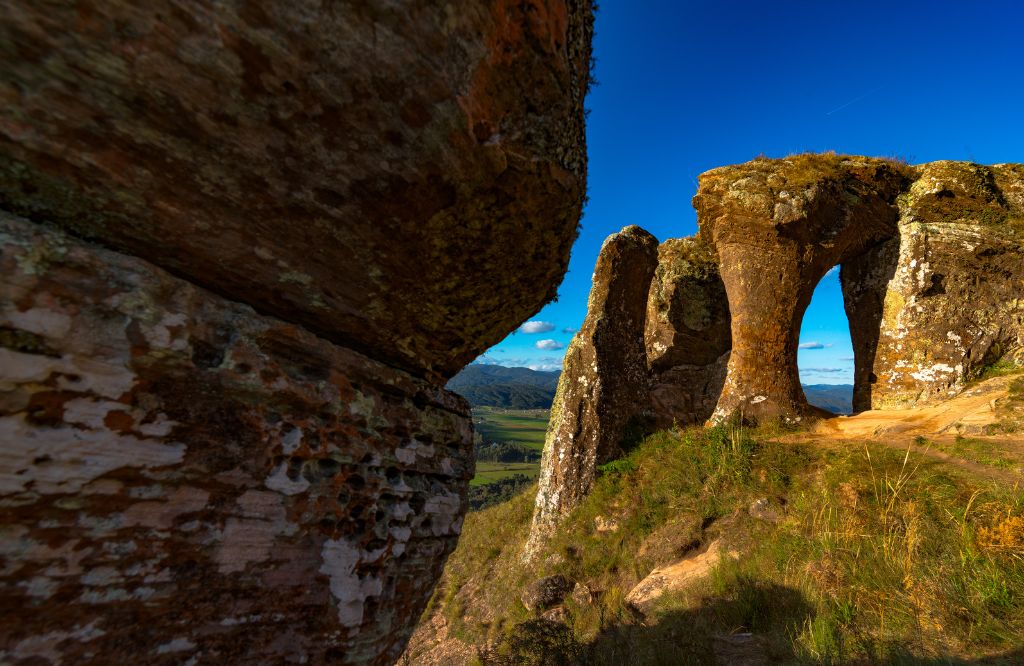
(604, 379)
(546, 592)
(677, 576)
(353, 169)
(687, 333)
(242, 245)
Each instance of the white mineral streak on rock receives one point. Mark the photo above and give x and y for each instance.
(350, 592)
(70, 458)
(279, 481)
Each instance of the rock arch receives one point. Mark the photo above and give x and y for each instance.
(932, 273)
(778, 227)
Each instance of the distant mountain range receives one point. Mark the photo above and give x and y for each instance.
(836, 398)
(498, 386)
(522, 388)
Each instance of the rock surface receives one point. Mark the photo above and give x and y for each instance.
(604, 379)
(353, 168)
(546, 592)
(687, 333)
(676, 576)
(932, 271)
(166, 450)
(224, 434)
(778, 226)
(955, 302)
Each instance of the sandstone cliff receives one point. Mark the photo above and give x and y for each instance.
(778, 226)
(242, 246)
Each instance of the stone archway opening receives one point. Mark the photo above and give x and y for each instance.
(825, 351)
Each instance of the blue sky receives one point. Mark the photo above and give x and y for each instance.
(684, 87)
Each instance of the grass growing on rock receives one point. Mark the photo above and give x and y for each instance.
(872, 556)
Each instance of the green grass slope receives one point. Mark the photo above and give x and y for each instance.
(872, 556)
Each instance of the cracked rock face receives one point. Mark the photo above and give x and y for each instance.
(604, 379)
(687, 334)
(353, 167)
(954, 303)
(183, 476)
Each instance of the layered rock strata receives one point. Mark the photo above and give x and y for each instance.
(604, 379)
(687, 334)
(243, 254)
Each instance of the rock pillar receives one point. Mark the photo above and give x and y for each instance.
(604, 379)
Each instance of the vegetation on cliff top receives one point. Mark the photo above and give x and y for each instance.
(874, 555)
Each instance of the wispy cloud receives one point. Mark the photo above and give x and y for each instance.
(546, 364)
(814, 344)
(569, 329)
(548, 345)
(846, 358)
(832, 270)
(537, 327)
(822, 371)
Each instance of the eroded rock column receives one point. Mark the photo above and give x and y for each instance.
(604, 379)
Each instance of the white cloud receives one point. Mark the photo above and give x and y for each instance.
(484, 359)
(822, 371)
(814, 345)
(569, 329)
(832, 270)
(846, 358)
(546, 364)
(548, 345)
(537, 327)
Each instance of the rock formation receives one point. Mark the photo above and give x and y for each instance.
(242, 246)
(282, 144)
(955, 301)
(778, 226)
(687, 334)
(604, 378)
(932, 271)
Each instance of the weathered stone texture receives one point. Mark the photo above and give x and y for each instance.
(955, 302)
(604, 379)
(778, 226)
(687, 333)
(353, 167)
(184, 480)
(253, 461)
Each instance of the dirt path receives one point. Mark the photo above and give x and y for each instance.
(967, 414)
